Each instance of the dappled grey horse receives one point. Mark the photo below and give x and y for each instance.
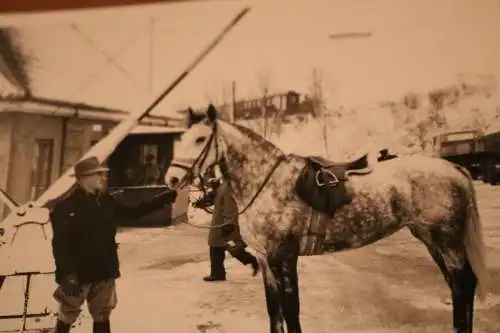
(291, 205)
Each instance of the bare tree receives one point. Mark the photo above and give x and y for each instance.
(483, 122)
(318, 99)
(264, 86)
(421, 124)
(14, 62)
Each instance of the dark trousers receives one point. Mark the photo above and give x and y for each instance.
(217, 256)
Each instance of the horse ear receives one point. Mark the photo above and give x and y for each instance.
(191, 117)
(212, 113)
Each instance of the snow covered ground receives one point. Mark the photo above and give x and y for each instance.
(391, 286)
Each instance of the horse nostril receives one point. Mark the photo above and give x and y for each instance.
(174, 181)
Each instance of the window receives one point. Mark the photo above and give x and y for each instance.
(97, 128)
(42, 167)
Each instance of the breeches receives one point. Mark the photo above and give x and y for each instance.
(101, 300)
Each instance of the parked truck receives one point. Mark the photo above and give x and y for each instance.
(479, 153)
(490, 158)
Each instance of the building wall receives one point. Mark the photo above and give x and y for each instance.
(69, 145)
(27, 129)
(80, 136)
(6, 130)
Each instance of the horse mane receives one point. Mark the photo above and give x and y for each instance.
(254, 136)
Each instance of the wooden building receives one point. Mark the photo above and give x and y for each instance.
(41, 138)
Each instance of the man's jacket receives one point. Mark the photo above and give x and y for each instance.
(225, 211)
(84, 229)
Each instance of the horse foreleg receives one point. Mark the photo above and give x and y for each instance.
(289, 294)
(271, 274)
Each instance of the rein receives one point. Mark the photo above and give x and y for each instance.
(201, 159)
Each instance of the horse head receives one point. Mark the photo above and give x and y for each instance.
(198, 149)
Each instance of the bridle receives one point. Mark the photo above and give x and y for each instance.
(221, 162)
(198, 162)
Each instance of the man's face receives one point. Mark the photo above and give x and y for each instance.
(96, 182)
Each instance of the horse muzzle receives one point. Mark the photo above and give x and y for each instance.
(177, 176)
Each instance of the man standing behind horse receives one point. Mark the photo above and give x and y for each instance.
(225, 235)
(84, 225)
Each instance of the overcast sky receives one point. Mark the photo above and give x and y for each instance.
(416, 45)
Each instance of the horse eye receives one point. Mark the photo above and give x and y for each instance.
(201, 139)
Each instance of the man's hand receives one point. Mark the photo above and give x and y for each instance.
(205, 201)
(70, 286)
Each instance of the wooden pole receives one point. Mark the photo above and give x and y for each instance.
(325, 129)
(233, 104)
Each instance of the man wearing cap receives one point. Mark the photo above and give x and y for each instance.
(84, 246)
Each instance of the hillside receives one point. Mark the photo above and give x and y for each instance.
(405, 126)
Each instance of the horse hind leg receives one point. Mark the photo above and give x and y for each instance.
(459, 275)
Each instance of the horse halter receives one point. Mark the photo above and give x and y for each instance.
(198, 162)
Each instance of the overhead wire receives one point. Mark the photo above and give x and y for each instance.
(109, 59)
(120, 51)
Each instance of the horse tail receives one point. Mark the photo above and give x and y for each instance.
(474, 244)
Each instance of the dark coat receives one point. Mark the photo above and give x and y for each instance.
(225, 211)
(84, 229)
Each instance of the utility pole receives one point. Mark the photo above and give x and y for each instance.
(336, 36)
(264, 111)
(233, 106)
(323, 116)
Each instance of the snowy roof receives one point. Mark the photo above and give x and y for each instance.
(59, 103)
(156, 130)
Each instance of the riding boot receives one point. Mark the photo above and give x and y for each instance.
(62, 327)
(102, 327)
(217, 270)
(246, 258)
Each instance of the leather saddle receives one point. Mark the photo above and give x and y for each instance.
(357, 164)
(321, 183)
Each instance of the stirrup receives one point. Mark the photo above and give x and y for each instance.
(332, 182)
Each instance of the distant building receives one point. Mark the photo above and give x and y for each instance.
(41, 138)
(276, 107)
